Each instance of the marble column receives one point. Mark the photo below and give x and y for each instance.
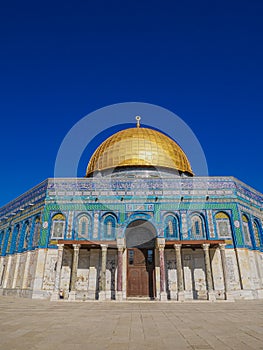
(119, 295)
(55, 294)
(179, 269)
(208, 273)
(102, 293)
(74, 270)
(161, 246)
(222, 249)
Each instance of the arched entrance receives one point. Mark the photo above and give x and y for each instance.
(140, 241)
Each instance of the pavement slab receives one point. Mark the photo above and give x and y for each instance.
(27, 324)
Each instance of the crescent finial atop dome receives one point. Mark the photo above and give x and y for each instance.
(138, 118)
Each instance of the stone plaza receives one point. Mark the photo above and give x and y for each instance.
(41, 324)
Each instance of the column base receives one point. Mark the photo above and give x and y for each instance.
(181, 296)
(72, 295)
(211, 296)
(54, 296)
(229, 296)
(163, 296)
(119, 296)
(102, 296)
(91, 295)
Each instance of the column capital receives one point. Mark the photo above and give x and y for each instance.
(76, 246)
(222, 246)
(177, 246)
(60, 246)
(104, 247)
(120, 243)
(160, 243)
(206, 246)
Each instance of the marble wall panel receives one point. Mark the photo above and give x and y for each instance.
(217, 271)
(21, 271)
(50, 269)
(31, 269)
(83, 270)
(12, 265)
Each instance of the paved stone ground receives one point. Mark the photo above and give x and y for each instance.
(33, 324)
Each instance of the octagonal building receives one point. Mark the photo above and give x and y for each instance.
(138, 225)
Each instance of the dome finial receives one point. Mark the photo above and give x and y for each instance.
(138, 118)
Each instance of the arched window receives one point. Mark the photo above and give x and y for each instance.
(171, 227)
(26, 231)
(246, 231)
(223, 226)
(1, 241)
(58, 226)
(83, 226)
(36, 233)
(6, 240)
(109, 227)
(197, 227)
(9, 240)
(256, 233)
(16, 237)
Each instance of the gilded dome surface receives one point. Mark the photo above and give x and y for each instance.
(138, 147)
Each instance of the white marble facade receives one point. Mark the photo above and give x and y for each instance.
(32, 274)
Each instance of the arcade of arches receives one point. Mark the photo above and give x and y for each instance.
(142, 266)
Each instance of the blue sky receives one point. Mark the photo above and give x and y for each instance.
(62, 60)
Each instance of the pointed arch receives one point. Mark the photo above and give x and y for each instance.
(6, 239)
(83, 226)
(109, 226)
(257, 233)
(16, 238)
(9, 240)
(58, 226)
(223, 225)
(26, 234)
(197, 226)
(2, 233)
(171, 227)
(36, 231)
(246, 230)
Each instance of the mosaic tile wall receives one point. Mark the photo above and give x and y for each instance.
(128, 200)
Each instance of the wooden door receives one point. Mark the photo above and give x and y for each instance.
(140, 273)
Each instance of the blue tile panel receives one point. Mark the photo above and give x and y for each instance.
(111, 204)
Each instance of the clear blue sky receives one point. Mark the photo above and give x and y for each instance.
(60, 60)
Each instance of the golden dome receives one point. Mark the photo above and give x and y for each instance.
(139, 147)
